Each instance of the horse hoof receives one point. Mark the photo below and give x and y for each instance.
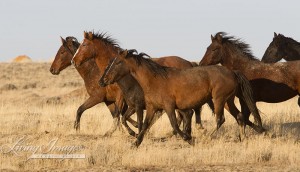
(135, 144)
(132, 133)
(186, 137)
(199, 127)
(77, 126)
(191, 142)
(107, 134)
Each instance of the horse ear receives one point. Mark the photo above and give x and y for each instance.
(91, 35)
(85, 34)
(124, 53)
(275, 34)
(62, 41)
(219, 38)
(212, 38)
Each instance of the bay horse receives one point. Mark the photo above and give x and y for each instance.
(111, 96)
(282, 47)
(197, 86)
(271, 83)
(103, 48)
(133, 92)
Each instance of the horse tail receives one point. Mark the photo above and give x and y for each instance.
(247, 95)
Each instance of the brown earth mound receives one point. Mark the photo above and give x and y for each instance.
(22, 59)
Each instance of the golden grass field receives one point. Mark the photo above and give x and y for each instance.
(40, 107)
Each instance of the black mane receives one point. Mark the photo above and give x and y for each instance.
(150, 64)
(107, 39)
(237, 43)
(288, 39)
(73, 40)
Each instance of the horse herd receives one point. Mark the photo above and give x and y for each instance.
(129, 82)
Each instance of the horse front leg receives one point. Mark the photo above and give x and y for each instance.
(90, 102)
(150, 111)
(172, 117)
(120, 103)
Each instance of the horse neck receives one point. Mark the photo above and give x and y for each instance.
(236, 61)
(88, 71)
(142, 74)
(293, 51)
(103, 57)
(128, 83)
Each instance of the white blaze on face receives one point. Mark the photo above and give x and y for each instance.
(76, 51)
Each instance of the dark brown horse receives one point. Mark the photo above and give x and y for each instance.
(132, 91)
(271, 83)
(282, 48)
(197, 86)
(103, 48)
(89, 72)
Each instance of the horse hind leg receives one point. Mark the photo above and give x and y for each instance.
(198, 111)
(219, 111)
(246, 112)
(232, 109)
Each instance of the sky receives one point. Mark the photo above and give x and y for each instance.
(156, 27)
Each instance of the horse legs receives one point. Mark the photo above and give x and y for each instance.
(232, 109)
(172, 117)
(299, 100)
(187, 123)
(90, 102)
(179, 117)
(246, 112)
(198, 118)
(219, 111)
(149, 117)
(140, 116)
(116, 117)
(127, 114)
(157, 115)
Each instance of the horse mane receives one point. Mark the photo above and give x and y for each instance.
(140, 59)
(74, 41)
(288, 39)
(238, 44)
(107, 39)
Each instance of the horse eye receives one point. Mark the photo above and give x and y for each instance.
(214, 49)
(62, 52)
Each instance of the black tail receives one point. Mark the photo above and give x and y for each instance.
(247, 95)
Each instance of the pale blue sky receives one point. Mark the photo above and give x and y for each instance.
(157, 27)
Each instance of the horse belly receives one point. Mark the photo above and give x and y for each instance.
(271, 92)
(192, 99)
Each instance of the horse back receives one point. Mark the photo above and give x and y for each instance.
(173, 61)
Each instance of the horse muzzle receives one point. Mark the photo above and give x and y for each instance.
(54, 72)
(102, 83)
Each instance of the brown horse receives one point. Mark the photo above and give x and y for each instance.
(271, 83)
(103, 48)
(282, 48)
(197, 86)
(89, 72)
(133, 92)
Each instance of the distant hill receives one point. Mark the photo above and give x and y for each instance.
(22, 59)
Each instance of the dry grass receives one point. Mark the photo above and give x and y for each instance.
(36, 104)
